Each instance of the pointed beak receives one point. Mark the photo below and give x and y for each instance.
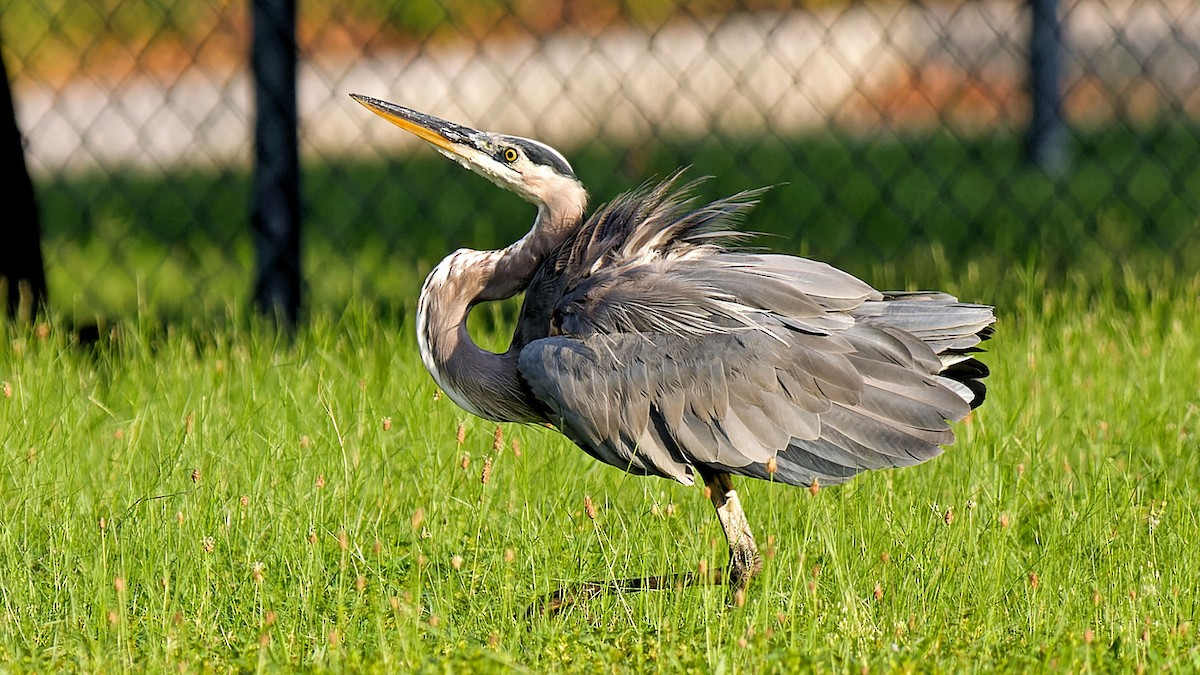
(443, 135)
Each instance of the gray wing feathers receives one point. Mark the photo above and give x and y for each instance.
(937, 319)
(733, 402)
(669, 352)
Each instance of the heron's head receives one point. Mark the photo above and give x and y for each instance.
(533, 170)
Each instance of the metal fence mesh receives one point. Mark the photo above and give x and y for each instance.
(893, 131)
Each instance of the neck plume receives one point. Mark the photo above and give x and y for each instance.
(484, 383)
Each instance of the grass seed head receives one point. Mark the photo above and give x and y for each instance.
(387, 424)
(320, 481)
(670, 510)
(739, 599)
(196, 475)
(465, 462)
(103, 523)
(515, 444)
(1088, 636)
(878, 592)
(312, 537)
(1034, 580)
(885, 557)
(244, 500)
(456, 561)
(1004, 521)
(437, 394)
(189, 423)
(434, 621)
(360, 583)
(509, 555)
(815, 487)
(971, 504)
(460, 435)
(208, 544)
(772, 465)
(113, 617)
(949, 517)
(305, 442)
(589, 508)
(256, 572)
(179, 517)
(418, 517)
(7, 386)
(498, 439)
(343, 539)
(120, 585)
(487, 470)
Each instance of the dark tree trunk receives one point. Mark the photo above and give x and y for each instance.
(21, 268)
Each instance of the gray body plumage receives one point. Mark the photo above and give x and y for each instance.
(669, 352)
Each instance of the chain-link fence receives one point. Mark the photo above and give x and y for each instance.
(894, 132)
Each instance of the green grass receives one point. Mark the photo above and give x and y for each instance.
(206, 496)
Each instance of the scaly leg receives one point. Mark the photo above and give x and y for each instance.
(744, 561)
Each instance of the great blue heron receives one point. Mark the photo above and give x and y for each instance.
(659, 348)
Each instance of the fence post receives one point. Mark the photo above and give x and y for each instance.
(1045, 141)
(21, 265)
(275, 209)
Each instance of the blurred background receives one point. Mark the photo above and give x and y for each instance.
(909, 142)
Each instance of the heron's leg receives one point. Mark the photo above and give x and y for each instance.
(744, 561)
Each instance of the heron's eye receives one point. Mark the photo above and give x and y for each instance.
(509, 155)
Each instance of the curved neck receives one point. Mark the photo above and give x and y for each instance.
(482, 382)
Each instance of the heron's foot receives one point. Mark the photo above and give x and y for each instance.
(557, 601)
(744, 565)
